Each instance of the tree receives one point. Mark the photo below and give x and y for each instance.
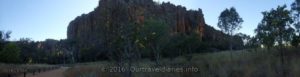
(296, 12)
(275, 27)
(246, 38)
(296, 41)
(265, 37)
(181, 44)
(153, 36)
(229, 21)
(28, 50)
(10, 53)
(253, 43)
(190, 45)
(3, 38)
(296, 5)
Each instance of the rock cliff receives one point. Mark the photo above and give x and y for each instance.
(89, 28)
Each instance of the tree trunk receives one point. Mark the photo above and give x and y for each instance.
(156, 54)
(230, 42)
(230, 45)
(283, 68)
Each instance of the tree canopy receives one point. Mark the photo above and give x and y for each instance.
(275, 27)
(230, 21)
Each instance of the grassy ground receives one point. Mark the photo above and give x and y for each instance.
(243, 63)
(12, 70)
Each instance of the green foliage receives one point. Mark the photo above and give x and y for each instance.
(296, 11)
(296, 6)
(175, 46)
(214, 40)
(154, 30)
(296, 41)
(246, 38)
(28, 50)
(181, 44)
(10, 53)
(275, 27)
(152, 37)
(230, 21)
(88, 54)
(3, 38)
(253, 43)
(1, 41)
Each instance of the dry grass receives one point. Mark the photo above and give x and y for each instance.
(243, 63)
(9, 70)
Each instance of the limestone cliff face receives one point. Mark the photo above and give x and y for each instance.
(90, 28)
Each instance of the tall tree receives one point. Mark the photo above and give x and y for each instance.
(28, 50)
(10, 53)
(154, 34)
(1, 40)
(263, 35)
(296, 41)
(296, 12)
(296, 7)
(4, 36)
(230, 21)
(275, 27)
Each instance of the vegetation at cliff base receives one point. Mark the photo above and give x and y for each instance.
(144, 38)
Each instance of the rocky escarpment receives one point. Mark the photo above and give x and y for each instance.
(105, 30)
(90, 29)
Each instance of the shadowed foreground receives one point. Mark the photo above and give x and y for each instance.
(242, 63)
(52, 73)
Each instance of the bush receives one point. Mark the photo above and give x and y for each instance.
(10, 53)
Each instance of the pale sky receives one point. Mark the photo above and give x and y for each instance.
(42, 19)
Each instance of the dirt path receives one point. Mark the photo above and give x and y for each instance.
(53, 73)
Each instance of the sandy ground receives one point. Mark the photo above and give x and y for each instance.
(53, 73)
